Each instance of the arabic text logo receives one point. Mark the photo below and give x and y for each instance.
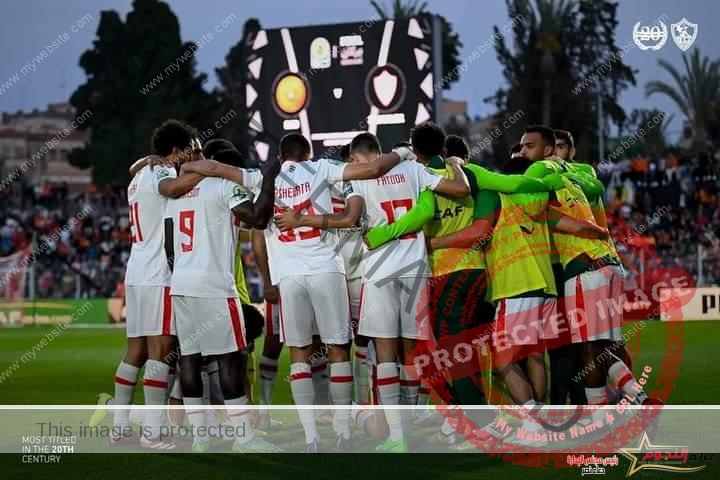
(647, 456)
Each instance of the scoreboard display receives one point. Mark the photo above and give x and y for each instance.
(333, 82)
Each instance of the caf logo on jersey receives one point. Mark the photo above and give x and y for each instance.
(238, 192)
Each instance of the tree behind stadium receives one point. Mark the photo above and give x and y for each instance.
(139, 73)
(557, 47)
(696, 92)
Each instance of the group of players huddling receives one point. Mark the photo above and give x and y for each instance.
(392, 252)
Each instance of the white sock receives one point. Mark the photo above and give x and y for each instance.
(408, 393)
(137, 416)
(597, 397)
(268, 375)
(155, 386)
(303, 392)
(360, 372)
(529, 423)
(341, 384)
(621, 378)
(321, 383)
(171, 380)
(388, 385)
(125, 380)
(195, 411)
(240, 419)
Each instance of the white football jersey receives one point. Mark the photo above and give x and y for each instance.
(350, 240)
(386, 199)
(147, 265)
(304, 187)
(205, 233)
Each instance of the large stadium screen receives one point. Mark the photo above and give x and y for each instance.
(332, 82)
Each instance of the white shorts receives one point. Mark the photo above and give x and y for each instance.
(353, 286)
(149, 311)
(594, 305)
(524, 321)
(314, 304)
(272, 319)
(390, 308)
(209, 326)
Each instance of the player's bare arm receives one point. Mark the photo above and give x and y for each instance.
(459, 186)
(258, 213)
(270, 292)
(469, 237)
(562, 222)
(152, 160)
(213, 168)
(376, 168)
(347, 218)
(178, 186)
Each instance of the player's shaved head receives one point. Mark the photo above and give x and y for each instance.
(230, 157)
(546, 133)
(456, 146)
(345, 153)
(365, 144)
(216, 145)
(294, 146)
(428, 140)
(171, 135)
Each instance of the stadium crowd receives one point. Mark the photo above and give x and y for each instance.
(674, 200)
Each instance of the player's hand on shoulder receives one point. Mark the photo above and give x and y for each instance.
(554, 181)
(455, 161)
(405, 153)
(206, 168)
(271, 294)
(287, 220)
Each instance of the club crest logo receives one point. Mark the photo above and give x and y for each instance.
(684, 34)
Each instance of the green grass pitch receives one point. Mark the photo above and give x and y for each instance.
(78, 364)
